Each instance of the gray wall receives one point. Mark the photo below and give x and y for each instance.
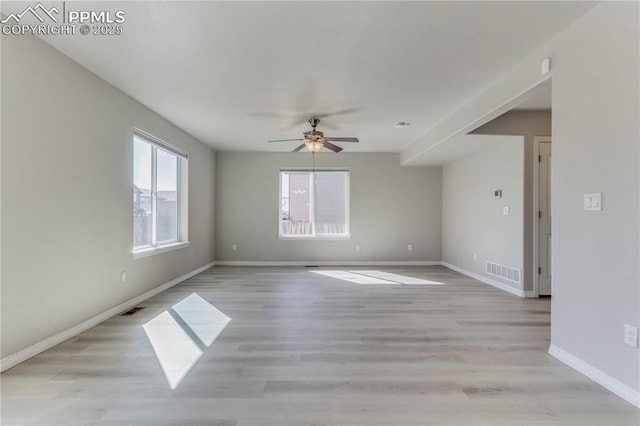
(67, 200)
(472, 218)
(528, 124)
(596, 122)
(596, 119)
(391, 207)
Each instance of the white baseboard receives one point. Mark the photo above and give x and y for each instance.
(505, 287)
(623, 391)
(529, 294)
(329, 263)
(33, 350)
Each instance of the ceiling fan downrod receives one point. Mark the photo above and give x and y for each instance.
(314, 122)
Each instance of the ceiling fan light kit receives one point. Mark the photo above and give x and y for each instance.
(314, 146)
(314, 140)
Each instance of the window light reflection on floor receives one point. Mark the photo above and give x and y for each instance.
(173, 347)
(202, 317)
(399, 279)
(375, 277)
(175, 350)
(351, 277)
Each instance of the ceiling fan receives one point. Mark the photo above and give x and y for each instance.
(315, 140)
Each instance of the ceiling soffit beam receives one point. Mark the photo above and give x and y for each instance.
(511, 89)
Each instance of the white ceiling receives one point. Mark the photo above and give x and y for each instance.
(222, 71)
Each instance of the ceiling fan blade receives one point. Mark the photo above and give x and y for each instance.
(302, 118)
(330, 138)
(286, 140)
(274, 114)
(332, 147)
(299, 148)
(339, 112)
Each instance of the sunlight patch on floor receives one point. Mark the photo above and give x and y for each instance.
(202, 317)
(375, 277)
(400, 279)
(351, 277)
(175, 349)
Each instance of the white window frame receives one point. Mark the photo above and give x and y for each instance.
(182, 201)
(312, 200)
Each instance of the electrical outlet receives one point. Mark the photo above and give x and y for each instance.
(123, 276)
(234, 247)
(475, 256)
(631, 335)
(410, 247)
(357, 247)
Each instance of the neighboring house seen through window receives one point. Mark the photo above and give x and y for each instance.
(314, 204)
(159, 194)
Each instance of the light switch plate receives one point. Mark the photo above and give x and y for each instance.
(593, 202)
(545, 66)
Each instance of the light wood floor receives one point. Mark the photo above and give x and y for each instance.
(307, 349)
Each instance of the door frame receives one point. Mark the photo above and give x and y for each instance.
(536, 171)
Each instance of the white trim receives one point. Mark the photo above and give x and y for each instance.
(513, 290)
(150, 251)
(328, 263)
(317, 169)
(536, 171)
(147, 137)
(154, 194)
(33, 350)
(183, 200)
(327, 237)
(614, 385)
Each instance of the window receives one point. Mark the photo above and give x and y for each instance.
(159, 196)
(314, 204)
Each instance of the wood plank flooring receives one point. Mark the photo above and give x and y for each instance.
(308, 349)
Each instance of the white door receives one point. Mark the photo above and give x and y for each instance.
(544, 219)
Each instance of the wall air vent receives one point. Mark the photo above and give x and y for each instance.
(504, 272)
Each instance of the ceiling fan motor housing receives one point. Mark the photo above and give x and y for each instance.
(314, 135)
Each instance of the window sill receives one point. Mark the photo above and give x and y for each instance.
(138, 254)
(314, 238)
